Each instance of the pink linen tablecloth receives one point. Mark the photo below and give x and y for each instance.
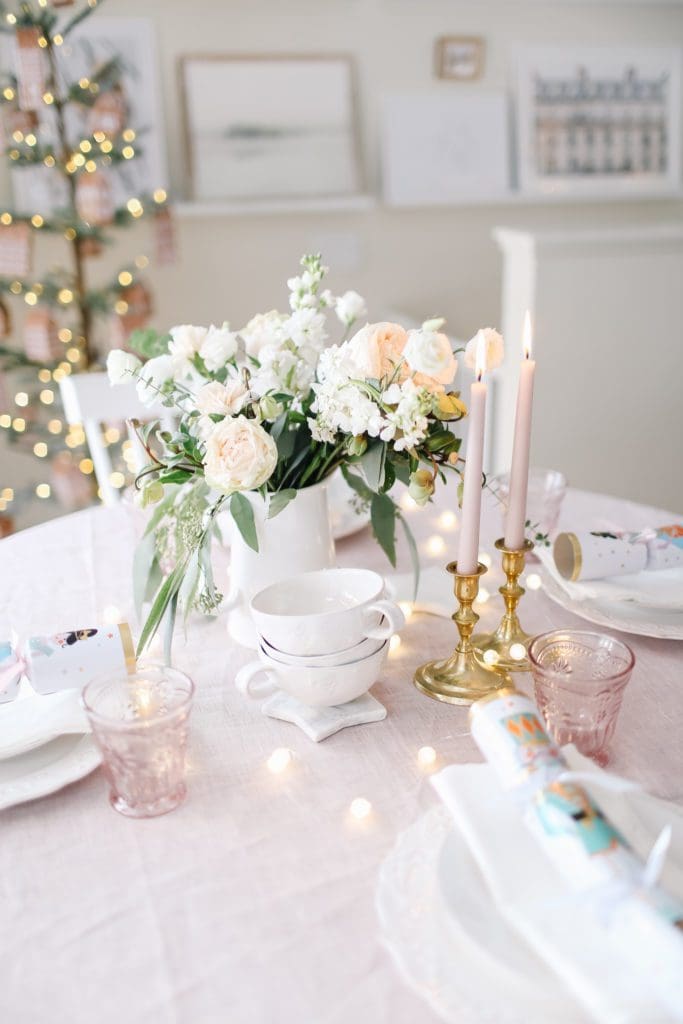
(254, 901)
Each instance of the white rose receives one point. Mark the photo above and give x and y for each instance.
(494, 347)
(186, 341)
(121, 366)
(263, 329)
(350, 307)
(430, 353)
(219, 345)
(152, 377)
(240, 455)
(223, 399)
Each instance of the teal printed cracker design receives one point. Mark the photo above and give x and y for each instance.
(6, 651)
(42, 645)
(563, 809)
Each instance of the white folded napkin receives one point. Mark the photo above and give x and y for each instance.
(34, 719)
(663, 589)
(534, 898)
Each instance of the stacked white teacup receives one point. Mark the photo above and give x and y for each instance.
(323, 636)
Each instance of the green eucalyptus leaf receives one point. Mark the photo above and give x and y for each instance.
(168, 589)
(243, 514)
(414, 554)
(143, 560)
(279, 501)
(357, 484)
(372, 465)
(383, 519)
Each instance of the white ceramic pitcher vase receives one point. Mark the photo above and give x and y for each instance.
(299, 539)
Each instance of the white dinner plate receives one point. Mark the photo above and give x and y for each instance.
(449, 942)
(627, 616)
(47, 768)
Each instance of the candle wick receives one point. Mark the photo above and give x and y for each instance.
(479, 376)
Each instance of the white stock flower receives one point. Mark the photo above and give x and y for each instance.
(152, 377)
(306, 327)
(121, 366)
(429, 352)
(223, 399)
(186, 341)
(240, 455)
(495, 349)
(410, 417)
(219, 345)
(263, 329)
(350, 307)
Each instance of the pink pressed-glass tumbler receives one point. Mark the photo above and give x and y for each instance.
(141, 724)
(579, 681)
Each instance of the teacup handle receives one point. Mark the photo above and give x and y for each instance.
(395, 620)
(245, 678)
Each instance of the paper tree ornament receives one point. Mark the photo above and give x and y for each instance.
(31, 67)
(164, 237)
(5, 328)
(15, 250)
(41, 342)
(108, 113)
(95, 198)
(139, 301)
(72, 488)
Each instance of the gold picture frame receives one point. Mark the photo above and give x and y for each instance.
(459, 58)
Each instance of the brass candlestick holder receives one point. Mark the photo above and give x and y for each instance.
(509, 641)
(461, 679)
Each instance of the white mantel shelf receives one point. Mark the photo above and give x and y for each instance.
(258, 207)
(198, 210)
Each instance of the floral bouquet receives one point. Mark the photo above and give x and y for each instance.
(271, 409)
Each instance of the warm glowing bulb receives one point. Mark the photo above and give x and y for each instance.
(491, 657)
(112, 435)
(426, 757)
(517, 652)
(116, 479)
(7, 493)
(395, 642)
(30, 298)
(279, 760)
(21, 398)
(65, 334)
(134, 206)
(5, 420)
(448, 520)
(48, 98)
(47, 397)
(160, 195)
(127, 152)
(19, 424)
(43, 490)
(407, 608)
(73, 355)
(436, 545)
(58, 39)
(5, 218)
(65, 296)
(121, 307)
(534, 581)
(125, 278)
(485, 559)
(482, 596)
(360, 808)
(55, 426)
(141, 262)
(111, 614)
(40, 449)
(129, 135)
(527, 335)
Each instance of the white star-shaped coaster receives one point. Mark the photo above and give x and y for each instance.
(319, 723)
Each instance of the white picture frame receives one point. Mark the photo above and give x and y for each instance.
(597, 122)
(442, 148)
(264, 126)
(96, 39)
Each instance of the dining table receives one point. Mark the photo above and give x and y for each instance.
(255, 900)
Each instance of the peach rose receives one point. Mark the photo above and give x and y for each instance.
(377, 349)
(240, 455)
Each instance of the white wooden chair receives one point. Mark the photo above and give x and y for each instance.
(90, 400)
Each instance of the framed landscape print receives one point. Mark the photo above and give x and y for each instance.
(271, 127)
(599, 121)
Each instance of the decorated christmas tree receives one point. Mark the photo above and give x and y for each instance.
(71, 142)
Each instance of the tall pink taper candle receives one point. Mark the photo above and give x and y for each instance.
(519, 473)
(468, 548)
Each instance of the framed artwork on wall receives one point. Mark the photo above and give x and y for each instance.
(440, 148)
(593, 122)
(261, 127)
(460, 58)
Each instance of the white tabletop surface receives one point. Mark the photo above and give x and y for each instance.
(254, 901)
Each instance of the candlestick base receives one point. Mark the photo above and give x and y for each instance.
(461, 679)
(507, 646)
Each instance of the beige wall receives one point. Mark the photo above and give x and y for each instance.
(420, 260)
